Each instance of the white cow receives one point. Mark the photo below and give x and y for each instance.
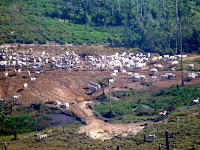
(25, 86)
(195, 101)
(43, 136)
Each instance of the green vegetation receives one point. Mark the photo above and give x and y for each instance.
(132, 106)
(103, 83)
(186, 138)
(149, 25)
(196, 63)
(24, 119)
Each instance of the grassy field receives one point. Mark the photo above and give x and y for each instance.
(186, 138)
(131, 107)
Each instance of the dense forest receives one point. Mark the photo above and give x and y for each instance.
(165, 26)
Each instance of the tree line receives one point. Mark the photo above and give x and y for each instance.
(153, 25)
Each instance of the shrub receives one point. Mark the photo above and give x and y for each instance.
(29, 41)
(50, 102)
(42, 41)
(1, 42)
(11, 40)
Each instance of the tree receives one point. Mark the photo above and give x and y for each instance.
(16, 124)
(16, 9)
(103, 83)
(38, 15)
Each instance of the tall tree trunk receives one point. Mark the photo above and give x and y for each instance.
(181, 54)
(143, 8)
(15, 135)
(177, 28)
(119, 6)
(38, 16)
(164, 15)
(137, 7)
(32, 6)
(111, 114)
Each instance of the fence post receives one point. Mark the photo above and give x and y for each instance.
(159, 148)
(167, 141)
(176, 124)
(5, 146)
(63, 128)
(145, 138)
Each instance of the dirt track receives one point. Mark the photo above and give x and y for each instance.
(70, 86)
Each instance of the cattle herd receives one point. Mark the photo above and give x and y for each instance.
(129, 64)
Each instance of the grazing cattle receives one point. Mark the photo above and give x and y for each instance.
(111, 80)
(25, 86)
(28, 73)
(164, 76)
(163, 113)
(195, 101)
(175, 63)
(16, 97)
(65, 105)
(190, 66)
(93, 74)
(152, 78)
(17, 71)
(173, 69)
(32, 79)
(192, 76)
(154, 59)
(43, 136)
(151, 136)
(113, 75)
(6, 74)
(3, 100)
(58, 103)
(154, 70)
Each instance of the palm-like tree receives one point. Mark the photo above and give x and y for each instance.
(103, 83)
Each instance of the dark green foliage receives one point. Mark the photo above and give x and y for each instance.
(120, 94)
(1, 42)
(24, 119)
(113, 21)
(42, 41)
(16, 124)
(146, 83)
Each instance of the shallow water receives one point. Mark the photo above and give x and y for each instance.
(60, 119)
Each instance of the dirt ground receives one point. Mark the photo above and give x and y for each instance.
(72, 86)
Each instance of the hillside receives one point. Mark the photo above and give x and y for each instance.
(162, 26)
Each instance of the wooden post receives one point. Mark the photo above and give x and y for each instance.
(159, 148)
(167, 141)
(145, 138)
(63, 128)
(118, 148)
(110, 98)
(176, 124)
(5, 148)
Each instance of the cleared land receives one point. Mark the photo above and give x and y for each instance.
(72, 87)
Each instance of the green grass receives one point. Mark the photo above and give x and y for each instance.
(186, 138)
(196, 63)
(149, 103)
